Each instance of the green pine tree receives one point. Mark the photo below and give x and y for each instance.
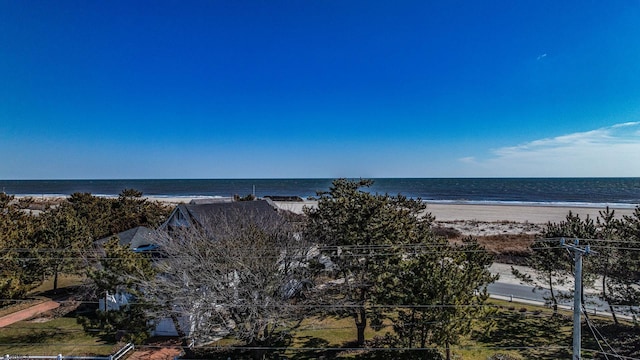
(364, 235)
(121, 271)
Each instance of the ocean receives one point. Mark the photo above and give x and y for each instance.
(590, 192)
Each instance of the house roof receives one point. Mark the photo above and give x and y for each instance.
(137, 237)
(190, 214)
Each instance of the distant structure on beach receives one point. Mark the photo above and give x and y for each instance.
(284, 198)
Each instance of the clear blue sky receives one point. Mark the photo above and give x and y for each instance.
(271, 89)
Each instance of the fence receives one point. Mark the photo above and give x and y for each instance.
(116, 356)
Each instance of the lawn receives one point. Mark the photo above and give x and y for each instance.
(56, 336)
(520, 331)
(64, 281)
(47, 335)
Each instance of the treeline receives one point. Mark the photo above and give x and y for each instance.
(369, 257)
(613, 266)
(373, 258)
(37, 245)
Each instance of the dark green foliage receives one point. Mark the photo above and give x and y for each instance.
(624, 284)
(121, 271)
(19, 271)
(121, 268)
(551, 263)
(444, 291)
(363, 234)
(62, 240)
(616, 260)
(33, 247)
(96, 212)
(129, 324)
(385, 253)
(108, 216)
(572, 227)
(131, 210)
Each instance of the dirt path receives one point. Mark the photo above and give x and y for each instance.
(154, 354)
(28, 313)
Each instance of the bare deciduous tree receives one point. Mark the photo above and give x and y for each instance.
(236, 273)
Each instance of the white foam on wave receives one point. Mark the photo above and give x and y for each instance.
(536, 203)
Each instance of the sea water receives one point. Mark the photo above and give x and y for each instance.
(596, 192)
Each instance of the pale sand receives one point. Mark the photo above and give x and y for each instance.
(483, 220)
(515, 213)
(471, 219)
(448, 212)
(489, 213)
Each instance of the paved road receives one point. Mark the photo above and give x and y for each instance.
(508, 285)
(523, 293)
(517, 291)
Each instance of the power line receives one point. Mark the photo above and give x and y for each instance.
(617, 355)
(594, 330)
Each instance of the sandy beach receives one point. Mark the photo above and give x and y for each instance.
(516, 213)
(471, 219)
(449, 212)
(490, 213)
(482, 220)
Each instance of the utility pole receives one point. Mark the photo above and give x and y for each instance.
(577, 293)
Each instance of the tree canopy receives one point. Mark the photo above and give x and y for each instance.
(384, 254)
(363, 234)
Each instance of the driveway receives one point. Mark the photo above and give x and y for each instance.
(28, 313)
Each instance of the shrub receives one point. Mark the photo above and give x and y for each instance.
(446, 232)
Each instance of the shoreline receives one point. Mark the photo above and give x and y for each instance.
(445, 212)
(536, 214)
(533, 214)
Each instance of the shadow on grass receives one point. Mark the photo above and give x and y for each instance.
(545, 337)
(314, 348)
(31, 336)
(539, 337)
(624, 339)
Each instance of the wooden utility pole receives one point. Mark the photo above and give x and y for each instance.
(577, 294)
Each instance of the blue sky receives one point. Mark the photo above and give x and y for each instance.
(277, 89)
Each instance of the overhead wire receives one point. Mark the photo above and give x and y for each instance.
(595, 330)
(617, 355)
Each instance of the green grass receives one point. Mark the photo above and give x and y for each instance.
(532, 336)
(64, 281)
(62, 335)
(521, 331)
(57, 336)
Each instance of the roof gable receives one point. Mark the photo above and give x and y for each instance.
(134, 238)
(186, 215)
